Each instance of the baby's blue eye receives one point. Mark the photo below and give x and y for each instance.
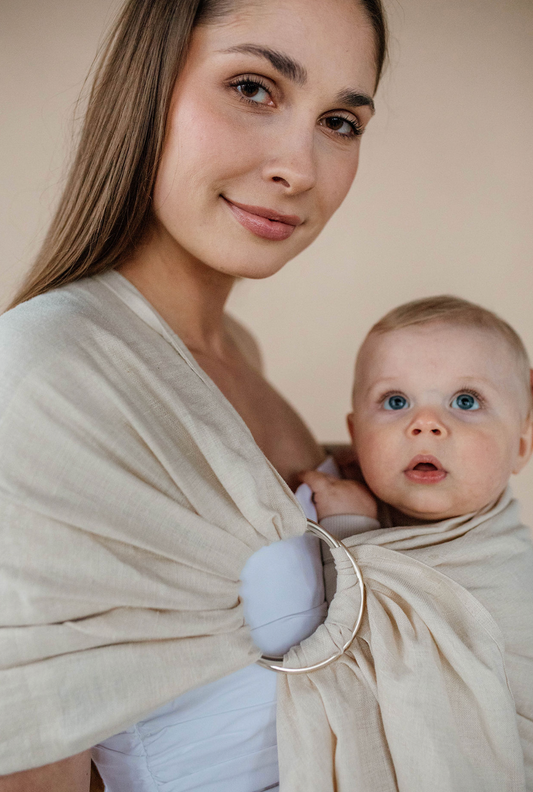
(396, 402)
(465, 401)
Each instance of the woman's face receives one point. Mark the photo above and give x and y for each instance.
(264, 131)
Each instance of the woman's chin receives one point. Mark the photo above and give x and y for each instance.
(251, 262)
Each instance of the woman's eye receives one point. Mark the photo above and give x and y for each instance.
(396, 402)
(342, 126)
(465, 401)
(252, 91)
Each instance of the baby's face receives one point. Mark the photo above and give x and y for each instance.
(439, 421)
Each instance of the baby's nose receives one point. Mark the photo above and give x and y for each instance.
(427, 422)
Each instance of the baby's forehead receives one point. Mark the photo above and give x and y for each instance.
(439, 350)
(407, 344)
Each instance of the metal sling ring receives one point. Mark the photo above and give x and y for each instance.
(268, 661)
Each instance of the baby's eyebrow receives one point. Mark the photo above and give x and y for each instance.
(385, 383)
(378, 388)
(396, 383)
(472, 380)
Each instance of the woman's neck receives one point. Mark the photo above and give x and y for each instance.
(189, 295)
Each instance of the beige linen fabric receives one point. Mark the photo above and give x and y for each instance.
(131, 496)
(421, 700)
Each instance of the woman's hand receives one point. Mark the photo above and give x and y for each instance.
(344, 456)
(338, 496)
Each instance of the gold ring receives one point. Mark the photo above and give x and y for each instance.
(268, 661)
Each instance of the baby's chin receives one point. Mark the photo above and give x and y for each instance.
(402, 514)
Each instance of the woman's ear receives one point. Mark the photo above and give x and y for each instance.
(526, 445)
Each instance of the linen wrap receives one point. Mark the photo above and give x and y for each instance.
(131, 495)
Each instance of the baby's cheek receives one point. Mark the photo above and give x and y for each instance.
(487, 456)
(489, 459)
(485, 468)
(377, 462)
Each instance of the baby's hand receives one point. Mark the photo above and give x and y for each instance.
(339, 496)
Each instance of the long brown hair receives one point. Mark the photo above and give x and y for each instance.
(106, 203)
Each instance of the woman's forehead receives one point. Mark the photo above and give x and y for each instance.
(331, 40)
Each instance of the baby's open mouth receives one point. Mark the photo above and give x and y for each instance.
(425, 469)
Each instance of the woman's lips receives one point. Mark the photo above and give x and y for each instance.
(264, 222)
(424, 469)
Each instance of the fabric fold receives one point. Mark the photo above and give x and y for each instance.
(131, 496)
(426, 703)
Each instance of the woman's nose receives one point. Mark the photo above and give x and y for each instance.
(293, 165)
(427, 422)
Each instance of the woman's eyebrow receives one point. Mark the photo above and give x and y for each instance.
(355, 99)
(297, 73)
(284, 64)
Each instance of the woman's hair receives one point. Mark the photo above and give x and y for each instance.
(106, 203)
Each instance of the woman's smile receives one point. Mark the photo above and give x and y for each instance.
(263, 222)
(263, 116)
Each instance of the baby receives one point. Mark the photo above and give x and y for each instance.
(442, 417)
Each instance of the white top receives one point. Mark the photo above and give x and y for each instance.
(222, 737)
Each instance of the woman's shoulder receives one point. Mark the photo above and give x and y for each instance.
(51, 326)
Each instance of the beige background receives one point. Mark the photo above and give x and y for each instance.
(443, 201)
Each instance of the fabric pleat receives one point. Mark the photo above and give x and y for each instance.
(422, 699)
(131, 496)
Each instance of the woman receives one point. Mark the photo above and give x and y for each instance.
(220, 138)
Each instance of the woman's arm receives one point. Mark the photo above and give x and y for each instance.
(69, 775)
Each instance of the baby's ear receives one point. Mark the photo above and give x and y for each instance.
(526, 445)
(349, 421)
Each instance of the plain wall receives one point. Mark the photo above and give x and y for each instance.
(443, 201)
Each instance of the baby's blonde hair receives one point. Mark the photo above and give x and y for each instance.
(456, 311)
